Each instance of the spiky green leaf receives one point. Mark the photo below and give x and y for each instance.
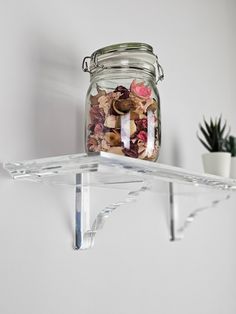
(219, 124)
(204, 144)
(223, 129)
(206, 135)
(209, 130)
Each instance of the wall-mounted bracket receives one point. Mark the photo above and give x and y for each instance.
(111, 171)
(181, 218)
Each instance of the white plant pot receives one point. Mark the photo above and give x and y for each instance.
(217, 163)
(233, 168)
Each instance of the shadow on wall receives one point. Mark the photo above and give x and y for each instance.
(58, 110)
(177, 158)
(171, 151)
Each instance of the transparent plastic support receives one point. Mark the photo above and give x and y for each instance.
(90, 219)
(184, 208)
(131, 177)
(83, 234)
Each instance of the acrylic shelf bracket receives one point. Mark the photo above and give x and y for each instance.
(111, 171)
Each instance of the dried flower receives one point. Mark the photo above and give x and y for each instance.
(91, 127)
(112, 122)
(93, 144)
(140, 104)
(114, 95)
(141, 124)
(153, 105)
(142, 135)
(134, 115)
(113, 138)
(122, 106)
(141, 146)
(104, 103)
(105, 146)
(124, 92)
(94, 99)
(133, 127)
(152, 155)
(98, 128)
(140, 89)
(96, 115)
(132, 151)
(116, 150)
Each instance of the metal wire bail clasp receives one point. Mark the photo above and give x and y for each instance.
(95, 64)
(85, 66)
(159, 71)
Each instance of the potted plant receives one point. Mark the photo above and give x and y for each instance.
(217, 161)
(232, 151)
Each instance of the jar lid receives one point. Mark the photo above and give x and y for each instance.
(124, 47)
(133, 55)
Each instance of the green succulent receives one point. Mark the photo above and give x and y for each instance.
(231, 145)
(215, 139)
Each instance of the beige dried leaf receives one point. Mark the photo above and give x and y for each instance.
(104, 103)
(104, 145)
(94, 99)
(113, 138)
(133, 127)
(116, 150)
(112, 122)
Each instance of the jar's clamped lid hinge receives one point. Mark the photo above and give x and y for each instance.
(160, 71)
(94, 58)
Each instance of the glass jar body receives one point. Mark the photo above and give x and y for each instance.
(123, 114)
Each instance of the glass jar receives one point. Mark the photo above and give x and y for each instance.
(122, 103)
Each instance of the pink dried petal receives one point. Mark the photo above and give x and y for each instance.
(141, 124)
(98, 128)
(142, 135)
(140, 89)
(96, 115)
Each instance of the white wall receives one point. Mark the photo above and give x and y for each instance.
(133, 268)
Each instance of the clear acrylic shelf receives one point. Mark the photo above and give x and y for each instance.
(132, 176)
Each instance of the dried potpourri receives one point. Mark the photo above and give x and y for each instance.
(125, 122)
